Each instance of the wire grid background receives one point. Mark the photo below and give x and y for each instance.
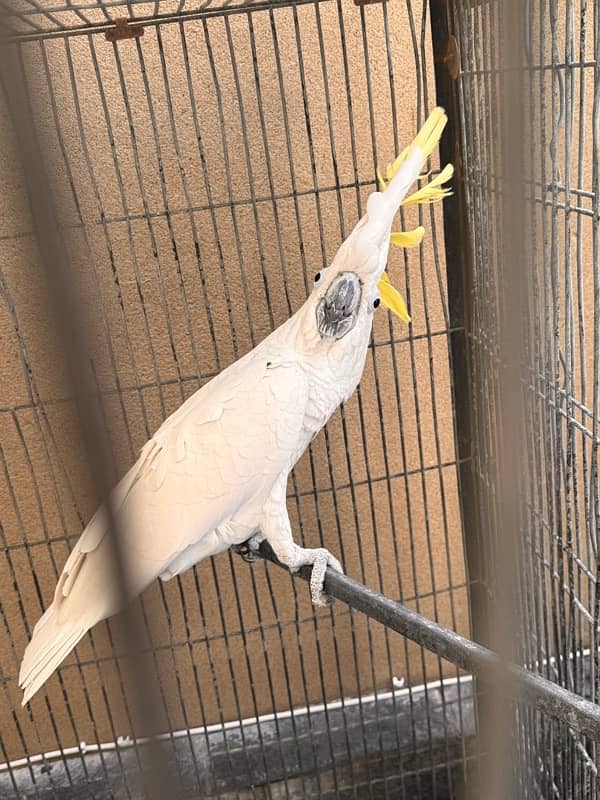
(32, 18)
(558, 565)
(203, 174)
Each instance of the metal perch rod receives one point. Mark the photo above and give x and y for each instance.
(527, 687)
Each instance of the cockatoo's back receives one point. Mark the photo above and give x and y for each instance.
(219, 452)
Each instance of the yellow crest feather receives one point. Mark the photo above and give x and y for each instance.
(408, 238)
(432, 191)
(426, 140)
(392, 299)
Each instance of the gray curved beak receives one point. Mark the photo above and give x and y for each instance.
(337, 311)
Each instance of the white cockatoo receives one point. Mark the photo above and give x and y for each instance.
(215, 473)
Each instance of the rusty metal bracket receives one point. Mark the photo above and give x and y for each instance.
(451, 58)
(124, 29)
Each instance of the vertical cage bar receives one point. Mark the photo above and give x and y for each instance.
(459, 266)
(74, 332)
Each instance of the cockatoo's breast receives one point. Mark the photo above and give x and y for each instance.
(333, 367)
(333, 376)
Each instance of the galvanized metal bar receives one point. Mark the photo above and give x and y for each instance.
(459, 260)
(54, 28)
(74, 332)
(535, 690)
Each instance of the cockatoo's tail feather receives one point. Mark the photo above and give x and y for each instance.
(53, 641)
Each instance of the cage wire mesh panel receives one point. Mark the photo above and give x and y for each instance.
(203, 173)
(557, 576)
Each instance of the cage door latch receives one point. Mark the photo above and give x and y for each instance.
(124, 29)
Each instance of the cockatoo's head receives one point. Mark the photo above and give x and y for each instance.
(347, 292)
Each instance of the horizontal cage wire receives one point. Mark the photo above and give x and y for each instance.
(203, 173)
(29, 18)
(557, 584)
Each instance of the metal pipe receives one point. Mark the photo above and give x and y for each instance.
(75, 332)
(536, 691)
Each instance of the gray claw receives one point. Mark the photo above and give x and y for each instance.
(322, 560)
(248, 548)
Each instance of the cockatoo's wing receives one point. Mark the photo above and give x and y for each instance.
(221, 453)
(215, 457)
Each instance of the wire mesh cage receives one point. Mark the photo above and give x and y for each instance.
(204, 161)
(554, 571)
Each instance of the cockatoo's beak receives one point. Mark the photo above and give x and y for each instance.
(338, 309)
(373, 234)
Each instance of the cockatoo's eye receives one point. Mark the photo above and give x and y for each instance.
(374, 303)
(320, 275)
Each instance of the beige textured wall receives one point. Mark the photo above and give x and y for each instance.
(373, 488)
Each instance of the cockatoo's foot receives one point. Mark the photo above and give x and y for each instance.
(247, 550)
(320, 559)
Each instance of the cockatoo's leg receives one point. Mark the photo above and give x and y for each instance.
(209, 545)
(275, 525)
(248, 548)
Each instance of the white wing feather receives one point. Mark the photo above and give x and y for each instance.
(219, 453)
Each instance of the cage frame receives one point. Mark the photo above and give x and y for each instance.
(566, 706)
